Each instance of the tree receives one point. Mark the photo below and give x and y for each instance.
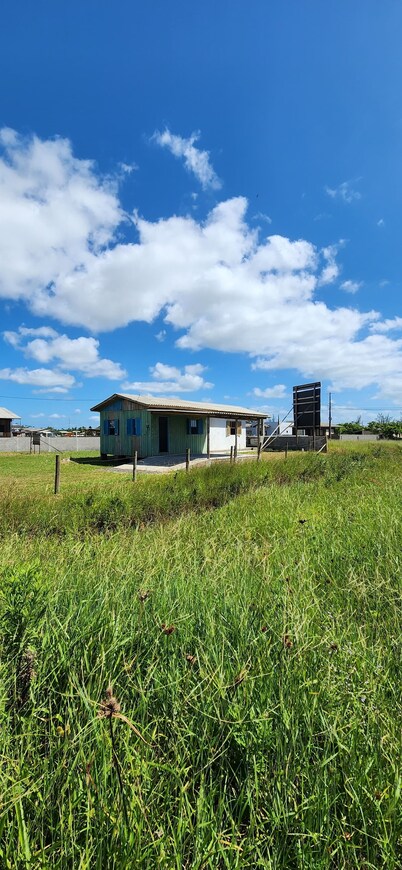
(352, 428)
(385, 427)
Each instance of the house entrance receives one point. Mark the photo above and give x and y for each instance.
(163, 434)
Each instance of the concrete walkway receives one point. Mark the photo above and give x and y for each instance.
(165, 464)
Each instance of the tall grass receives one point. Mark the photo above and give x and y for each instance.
(254, 651)
(104, 501)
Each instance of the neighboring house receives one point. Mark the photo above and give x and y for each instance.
(6, 418)
(153, 425)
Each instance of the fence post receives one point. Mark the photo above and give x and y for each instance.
(57, 474)
(135, 465)
(231, 454)
(286, 450)
(187, 458)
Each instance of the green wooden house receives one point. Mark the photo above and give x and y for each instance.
(153, 425)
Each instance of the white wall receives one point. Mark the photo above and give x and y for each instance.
(20, 444)
(285, 428)
(220, 441)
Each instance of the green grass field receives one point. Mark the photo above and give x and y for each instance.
(249, 621)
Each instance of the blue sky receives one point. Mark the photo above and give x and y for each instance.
(200, 200)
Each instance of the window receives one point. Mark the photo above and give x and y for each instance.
(195, 427)
(134, 426)
(231, 427)
(110, 427)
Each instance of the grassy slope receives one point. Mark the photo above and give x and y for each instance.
(280, 745)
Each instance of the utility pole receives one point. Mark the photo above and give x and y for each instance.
(329, 413)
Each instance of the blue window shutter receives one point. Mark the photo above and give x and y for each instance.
(200, 427)
(129, 427)
(116, 427)
(106, 427)
(138, 426)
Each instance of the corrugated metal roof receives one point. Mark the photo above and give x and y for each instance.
(8, 415)
(161, 403)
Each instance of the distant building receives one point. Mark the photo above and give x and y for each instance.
(6, 418)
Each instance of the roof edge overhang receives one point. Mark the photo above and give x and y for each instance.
(230, 412)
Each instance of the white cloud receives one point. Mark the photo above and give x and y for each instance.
(57, 416)
(387, 325)
(216, 281)
(261, 216)
(80, 354)
(381, 222)
(128, 168)
(276, 392)
(331, 269)
(77, 410)
(344, 191)
(351, 286)
(36, 416)
(54, 211)
(169, 379)
(195, 160)
(160, 336)
(37, 377)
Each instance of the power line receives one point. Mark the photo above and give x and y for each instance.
(359, 408)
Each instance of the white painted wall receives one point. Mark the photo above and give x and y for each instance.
(20, 444)
(220, 441)
(285, 428)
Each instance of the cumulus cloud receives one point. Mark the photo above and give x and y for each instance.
(196, 161)
(331, 269)
(217, 282)
(276, 392)
(80, 354)
(387, 325)
(351, 286)
(37, 377)
(344, 191)
(54, 210)
(169, 379)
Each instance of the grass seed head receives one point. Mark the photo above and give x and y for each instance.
(143, 595)
(168, 629)
(287, 641)
(109, 706)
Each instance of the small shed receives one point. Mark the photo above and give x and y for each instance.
(154, 425)
(6, 418)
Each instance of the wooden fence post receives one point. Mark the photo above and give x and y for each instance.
(286, 450)
(135, 465)
(57, 474)
(231, 454)
(187, 458)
